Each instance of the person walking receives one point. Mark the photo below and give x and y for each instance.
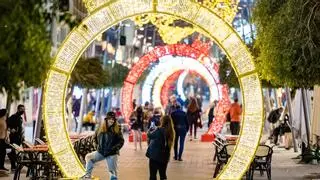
(109, 140)
(161, 140)
(172, 106)
(3, 138)
(16, 136)
(155, 120)
(136, 120)
(193, 116)
(181, 126)
(235, 113)
(211, 112)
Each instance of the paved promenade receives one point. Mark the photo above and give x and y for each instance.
(198, 165)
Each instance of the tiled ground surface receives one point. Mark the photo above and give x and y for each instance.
(198, 165)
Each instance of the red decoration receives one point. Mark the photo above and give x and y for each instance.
(168, 86)
(220, 113)
(197, 50)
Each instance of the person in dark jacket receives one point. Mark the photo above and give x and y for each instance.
(155, 120)
(181, 126)
(16, 136)
(275, 115)
(136, 120)
(193, 116)
(211, 112)
(158, 152)
(109, 140)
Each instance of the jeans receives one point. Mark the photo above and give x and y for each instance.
(112, 162)
(194, 125)
(180, 134)
(155, 166)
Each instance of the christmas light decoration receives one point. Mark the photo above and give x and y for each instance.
(183, 63)
(106, 13)
(197, 50)
(166, 87)
(180, 88)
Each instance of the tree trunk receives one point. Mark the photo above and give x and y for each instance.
(83, 108)
(295, 147)
(276, 98)
(103, 104)
(39, 123)
(8, 103)
(97, 108)
(110, 99)
(306, 115)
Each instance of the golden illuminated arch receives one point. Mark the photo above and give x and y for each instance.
(110, 12)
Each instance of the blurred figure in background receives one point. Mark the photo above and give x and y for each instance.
(136, 120)
(181, 126)
(14, 125)
(173, 105)
(211, 112)
(156, 117)
(89, 121)
(235, 113)
(193, 116)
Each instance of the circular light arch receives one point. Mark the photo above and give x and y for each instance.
(165, 64)
(110, 13)
(183, 63)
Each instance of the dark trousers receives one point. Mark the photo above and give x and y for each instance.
(235, 128)
(154, 167)
(209, 122)
(276, 133)
(87, 124)
(15, 139)
(180, 136)
(194, 126)
(3, 147)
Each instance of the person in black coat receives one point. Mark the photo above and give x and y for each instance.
(158, 152)
(211, 112)
(181, 126)
(16, 136)
(155, 119)
(109, 140)
(136, 120)
(193, 116)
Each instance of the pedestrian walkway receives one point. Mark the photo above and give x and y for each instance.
(197, 164)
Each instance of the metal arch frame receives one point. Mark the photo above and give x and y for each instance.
(207, 22)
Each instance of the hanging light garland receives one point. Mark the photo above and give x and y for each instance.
(167, 26)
